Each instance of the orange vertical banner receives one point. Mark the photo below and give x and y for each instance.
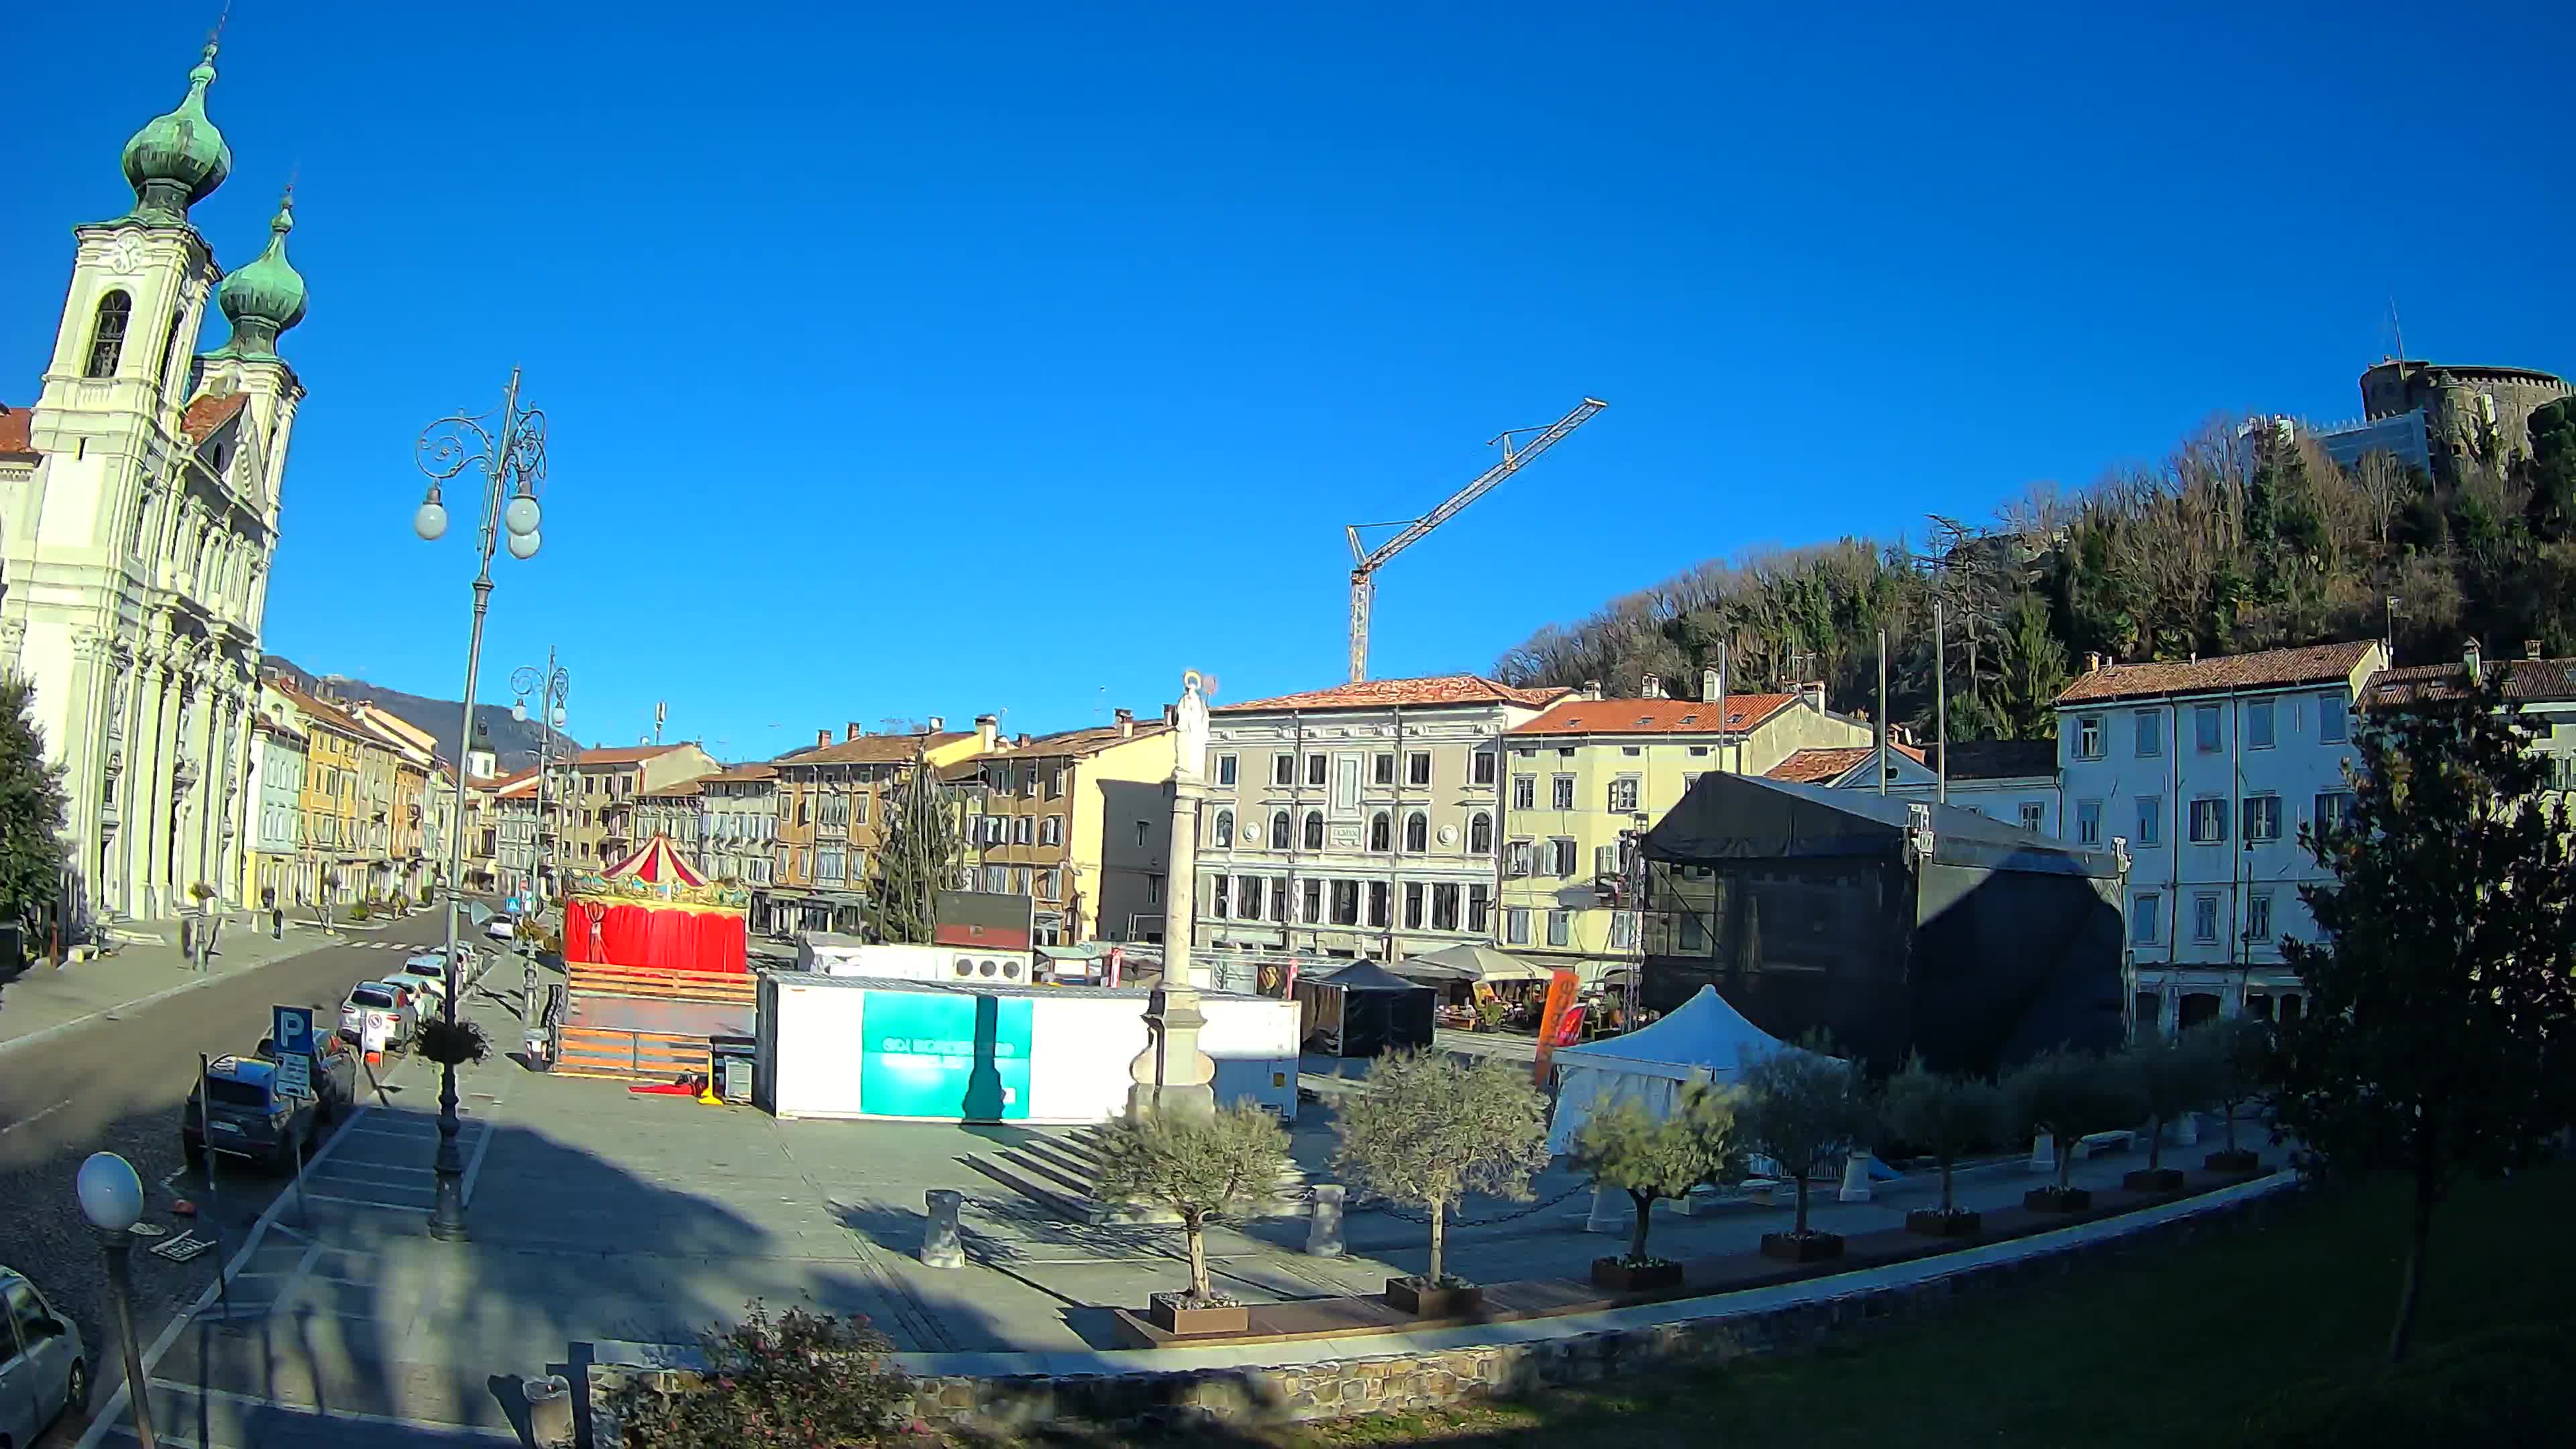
(1551, 1019)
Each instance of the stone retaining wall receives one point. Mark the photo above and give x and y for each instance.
(1426, 1379)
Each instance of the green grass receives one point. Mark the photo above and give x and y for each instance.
(2187, 1346)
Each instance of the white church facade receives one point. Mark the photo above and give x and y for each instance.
(139, 506)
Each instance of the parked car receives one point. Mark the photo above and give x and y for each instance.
(426, 973)
(502, 928)
(44, 1367)
(241, 1112)
(377, 1016)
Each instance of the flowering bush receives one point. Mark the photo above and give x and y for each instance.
(794, 1381)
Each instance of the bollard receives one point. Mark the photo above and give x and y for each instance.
(1324, 1231)
(2186, 1131)
(940, 1246)
(2043, 1153)
(1610, 1211)
(549, 1410)
(1855, 1176)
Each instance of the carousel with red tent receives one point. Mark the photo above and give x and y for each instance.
(653, 911)
(657, 971)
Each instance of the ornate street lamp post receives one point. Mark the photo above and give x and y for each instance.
(111, 1197)
(511, 455)
(552, 686)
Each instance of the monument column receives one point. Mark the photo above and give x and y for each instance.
(1171, 1074)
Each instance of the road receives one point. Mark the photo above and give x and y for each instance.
(117, 1084)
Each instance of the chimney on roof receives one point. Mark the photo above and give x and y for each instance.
(854, 730)
(1708, 685)
(1591, 690)
(1021, 741)
(822, 738)
(2469, 659)
(1815, 695)
(938, 724)
(2093, 662)
(1654, 687)
(1126, 723)
(1172, 715)
(2531, 649)
(986, 727)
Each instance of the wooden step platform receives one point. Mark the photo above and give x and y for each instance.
(726, 987)
(633, 1056)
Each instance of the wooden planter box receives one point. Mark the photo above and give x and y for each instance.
(1934, 1223)
(1618, 1277)
(1170, 1313)
(1815, 1247)
(1427, 1302)
(2240, 1160)
(2153, 1179)
(2054, 1200)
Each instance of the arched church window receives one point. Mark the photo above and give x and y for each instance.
(170, 344)
(107, 333)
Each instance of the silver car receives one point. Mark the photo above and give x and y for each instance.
(44, 1369)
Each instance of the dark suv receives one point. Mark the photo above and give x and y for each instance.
(250, 1117)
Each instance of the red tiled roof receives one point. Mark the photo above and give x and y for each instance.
(684, 788)
(1074, 743)
(1654, 716)
(2520, 679)
(16, 426)
(747, 772)
(1386, 693)
(325, 713)
(2314, 664)
(1823, 767)
(873, 749)
(205, 414)
(624, 754)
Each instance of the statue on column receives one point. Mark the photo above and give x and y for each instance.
(1172, 1074)
(1191, 718)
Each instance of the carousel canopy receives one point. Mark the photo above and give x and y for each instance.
(657, 873)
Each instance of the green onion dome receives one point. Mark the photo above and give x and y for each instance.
(179, 159)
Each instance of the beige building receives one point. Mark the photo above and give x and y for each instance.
(1591, 771)
(1079, 821)
(740, 829)
(1360, 820)
(831, 802)
(598, 817)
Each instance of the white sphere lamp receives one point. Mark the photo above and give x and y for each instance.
(111, 1196)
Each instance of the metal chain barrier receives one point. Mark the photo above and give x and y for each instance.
(1382, 1205)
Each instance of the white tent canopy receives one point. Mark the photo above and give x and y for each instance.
(1469, 961)
(1703, 1040)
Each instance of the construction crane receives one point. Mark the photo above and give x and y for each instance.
(1369, 561)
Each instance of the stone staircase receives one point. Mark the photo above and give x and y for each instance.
(1060, 1171)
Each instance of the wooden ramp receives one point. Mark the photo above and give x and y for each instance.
(651, 1026)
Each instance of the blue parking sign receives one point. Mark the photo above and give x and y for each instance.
(291, 1030)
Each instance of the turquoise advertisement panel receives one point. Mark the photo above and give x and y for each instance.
(940, 1054)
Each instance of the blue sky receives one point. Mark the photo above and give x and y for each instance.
(934, 360)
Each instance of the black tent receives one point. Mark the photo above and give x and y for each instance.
(1895, 925)
(1363, 1010)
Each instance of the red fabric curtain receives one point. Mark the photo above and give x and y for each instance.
(662, 940)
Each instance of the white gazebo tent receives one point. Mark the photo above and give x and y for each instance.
(1702, 1040)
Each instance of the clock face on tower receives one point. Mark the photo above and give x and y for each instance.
(126, 255)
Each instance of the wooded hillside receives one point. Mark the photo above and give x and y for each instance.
(2243, 539)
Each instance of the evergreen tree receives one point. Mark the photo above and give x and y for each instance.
(923, 845)
(31, 811)
(2034, 670)
(2439, 989)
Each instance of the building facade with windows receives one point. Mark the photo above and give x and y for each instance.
(1079, 821)
(1589, 772)
(276, 867)
(599, 813)
(2541, 692)
(831, 803)
(139, 512)
(676, 810)
(739, 826)
(2208, 769)
(1360, 820)
(2014, 781)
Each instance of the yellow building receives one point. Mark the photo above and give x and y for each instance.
(1080, 822)
(334, 800)
(1587, 771)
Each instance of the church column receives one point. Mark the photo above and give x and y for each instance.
(147, 796)
(83, 752)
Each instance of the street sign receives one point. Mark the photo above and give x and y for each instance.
(290, 1035)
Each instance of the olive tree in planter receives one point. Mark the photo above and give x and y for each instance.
(1946, 1117)
(2172, 1077)
(1653, 1158)
(1801, 1108)
(2069, 1095)
(2237, 1055)
(1430, 1130)
(1198, 1167)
